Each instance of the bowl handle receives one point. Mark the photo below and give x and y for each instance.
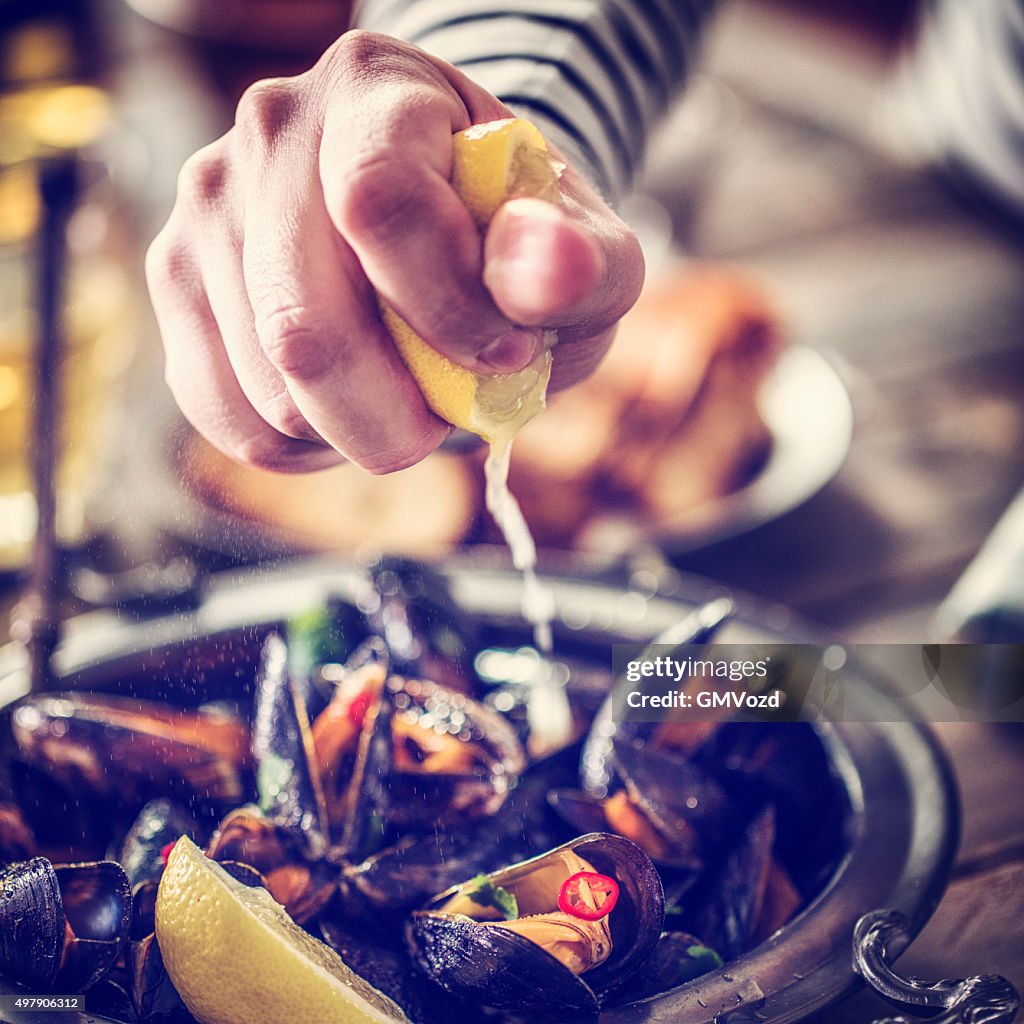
(985, 999)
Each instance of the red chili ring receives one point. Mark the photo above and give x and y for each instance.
(598, 884)
(358, 707)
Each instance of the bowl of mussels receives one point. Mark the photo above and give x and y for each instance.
(370, 744)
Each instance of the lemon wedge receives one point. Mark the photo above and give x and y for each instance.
(492, 162)
(236, 957)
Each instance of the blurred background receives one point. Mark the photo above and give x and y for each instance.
(847, 427)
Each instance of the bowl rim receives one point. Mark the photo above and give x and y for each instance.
(904, 821)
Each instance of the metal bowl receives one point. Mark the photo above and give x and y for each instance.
(902, 822)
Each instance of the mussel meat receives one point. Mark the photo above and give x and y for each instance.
(536, 935)
(303, 885)
(411, 753)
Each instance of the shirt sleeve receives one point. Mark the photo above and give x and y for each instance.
(958, 100)
(593, 75)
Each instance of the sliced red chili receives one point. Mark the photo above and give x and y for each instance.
(588, 895)
(165, 852)
(360, 705)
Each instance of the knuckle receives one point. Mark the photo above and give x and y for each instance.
(264, 451)
(378, 197)
(293, 343)
(283, 415)
(292, 423)
(202, 183)
(359, 50)
(168, 264)
(266, 110)
(391, 460)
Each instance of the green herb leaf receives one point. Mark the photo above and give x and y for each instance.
(484, 893)
(316, 637)
(699, 960)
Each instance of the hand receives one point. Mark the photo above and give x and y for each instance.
(333, 185)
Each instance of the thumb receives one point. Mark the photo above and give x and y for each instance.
(545, 267)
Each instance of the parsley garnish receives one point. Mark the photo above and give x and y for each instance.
(484, 893)
(699, 960)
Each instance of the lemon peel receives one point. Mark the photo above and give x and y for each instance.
(492, 163)
(236, 957)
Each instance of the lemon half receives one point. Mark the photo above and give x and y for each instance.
(492, 162)
(236, 957)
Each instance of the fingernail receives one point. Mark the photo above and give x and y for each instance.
(513, 350)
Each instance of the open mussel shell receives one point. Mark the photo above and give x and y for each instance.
(62, 928)
(728, 909)
(454, 760)
(158, 824)
(391, 883)
(97, 906)
(303, 885)
(669, 841)
(128, 751)
(289, 788)
(598, 773)
(400, 754)
(674, 809)
(502, 968)
(427, 634)
(384, 888)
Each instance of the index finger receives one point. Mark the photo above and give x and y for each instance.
(385, 160)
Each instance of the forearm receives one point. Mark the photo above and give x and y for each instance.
(594, 75)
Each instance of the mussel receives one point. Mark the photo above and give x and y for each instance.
(128, 751)
(285, 837)
(301, 883)
(143, 850)
(428, 636)
(289, 788)
(384, 888)
(62, 928)
(412, 753)
(637, 777)
(748, 897)
(543, 935)
(597, 765)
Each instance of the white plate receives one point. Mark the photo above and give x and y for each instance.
(805, 406)
(808, 411)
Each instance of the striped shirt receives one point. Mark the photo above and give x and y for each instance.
(593, 75)
(959, 98)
